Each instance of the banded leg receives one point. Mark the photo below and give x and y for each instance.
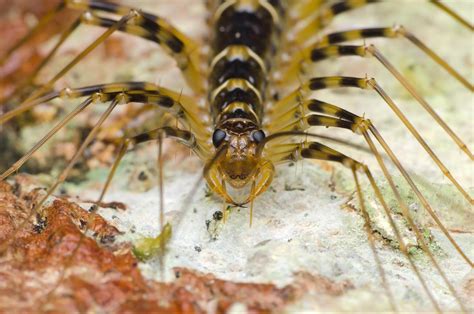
(179, 47)
(370, 84)
(129, 143)
(315, 150)
(47, 86)
(334, 51)
(141, 92)
(338, 117)
(151, 27)
(145, 25)
(181, 105)
(322, 18)
(386, 32)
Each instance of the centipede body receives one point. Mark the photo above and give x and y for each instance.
(227, 259)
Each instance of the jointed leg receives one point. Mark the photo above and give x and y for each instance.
(345, 119)
(145, 25)
(322, 18)
(150, 27)
(363, 83)
(312, 52)
(46, 87)
(133, 91)
(315, 150)
(327, 52)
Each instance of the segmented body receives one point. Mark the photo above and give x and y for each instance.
(246, 37)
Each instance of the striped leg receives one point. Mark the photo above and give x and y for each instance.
(141, 92)
(338, 117)
(370, 84)
(151, 27)
(313, 52)
(144, 25)
(319, 17)
(314, 150)
(336, 51)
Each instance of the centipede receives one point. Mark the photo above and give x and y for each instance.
(259, 156)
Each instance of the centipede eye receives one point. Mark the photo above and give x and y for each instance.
(218, 137)
(258, 136)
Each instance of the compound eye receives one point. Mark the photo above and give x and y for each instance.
(258, 136)
(218, 137)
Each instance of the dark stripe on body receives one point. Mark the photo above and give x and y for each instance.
(255, 29)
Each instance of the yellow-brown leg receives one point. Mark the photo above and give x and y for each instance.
(314, 150)
(312, 52)
(318, 83)
(135, 92)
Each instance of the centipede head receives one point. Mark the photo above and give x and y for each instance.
(239, 164)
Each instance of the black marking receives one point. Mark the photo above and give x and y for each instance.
(252, 29)
(340, 7)
(350, 81)
(175, 44)
(166, 101)
(226, 97)
(335, 38)
(322, 107)
(312, 154)
(348, 50)
(143, 137)
(225, 69)
(104, 6)
(373, 32)
(315, 119)
(318, 54)
(317, 83)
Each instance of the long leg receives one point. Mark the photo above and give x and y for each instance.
(453, 14)
(364, 83)
(148, 26)
(128, 143)
(154, 28)
(175, 102)
(47, 86)
(364, 33)
(324, 16)
(134, 91)
(314, 150)
(341, 118)
(323, 53)
(319, 151)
